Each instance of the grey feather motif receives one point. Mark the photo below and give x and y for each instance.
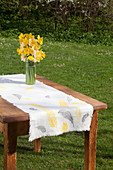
(47, 96)
(66, 114)
(32, 109)
(18, 96)
(6, 80)
(42, 129)
(69, 99)
(84, 117)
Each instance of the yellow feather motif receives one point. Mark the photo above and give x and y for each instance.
(63, 103)
(3, 87)
(29, 88)
(27, 98)
(79, 103)
(35, 105)
(64, 127)
(51, 116)
(78, 113)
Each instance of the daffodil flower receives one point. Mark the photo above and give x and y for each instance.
(21, 36)
(33, 42)
(30, 48)
(37, 47)
(19, 50)
(31, 58)
(40, 40)
(23, 58)
(31, 36)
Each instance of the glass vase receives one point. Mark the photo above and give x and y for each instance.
(30, 72)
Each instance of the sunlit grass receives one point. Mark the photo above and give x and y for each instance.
(84, 68)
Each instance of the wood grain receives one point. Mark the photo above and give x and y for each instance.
(20, 128)
(37, 145)
(90, 144)
(10, 145)
(10, 113)
(95, 103)
(1, 127)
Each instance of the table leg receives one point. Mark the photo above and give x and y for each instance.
(37, 145)
(10, 145)
(90, 144)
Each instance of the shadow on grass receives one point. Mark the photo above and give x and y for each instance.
(51, 150)
(23, 149)
(52, 145)
(105, 154)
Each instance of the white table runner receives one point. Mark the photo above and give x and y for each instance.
(51, 111)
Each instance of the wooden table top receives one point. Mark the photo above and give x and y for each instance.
(10, 113)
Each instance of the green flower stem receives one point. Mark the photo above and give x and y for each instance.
(30, 72)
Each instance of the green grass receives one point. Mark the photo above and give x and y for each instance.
(85, 68)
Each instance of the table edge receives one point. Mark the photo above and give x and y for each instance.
(99, 106)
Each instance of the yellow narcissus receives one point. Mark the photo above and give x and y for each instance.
(33, 42)
(40, 40)
(21, 36)
(26, 50)
(43, 54)
(37, 47)
(19, 50)
(25, 41)
(23, 57)
(31, 36)
(21, 41)
(38, 59)
(31, 51)
(37, 53)
(31, 58)
(30, 48)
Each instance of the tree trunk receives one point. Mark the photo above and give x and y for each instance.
(55, 14)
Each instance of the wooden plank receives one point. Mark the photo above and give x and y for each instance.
(20, 128)
(10, 113)
(90, 144)
(10, 145)
(37, 145)
(1, 127)
(95, 103)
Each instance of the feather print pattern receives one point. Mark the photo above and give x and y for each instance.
(18, 96)
(32, 109)
(79, 103)
(51, 111)
(69, 99)
(42, 129)
(3, 87)
(27, 98)
(84, 117)
(63, 103)
(78, 113)
(66, 114)
(64, 127)
(51, 116)
(29, 88)
(35, 105)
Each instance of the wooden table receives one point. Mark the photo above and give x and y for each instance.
(14, 122)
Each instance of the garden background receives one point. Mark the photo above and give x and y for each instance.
(78, 40)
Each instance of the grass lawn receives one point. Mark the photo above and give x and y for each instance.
(85, 68)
